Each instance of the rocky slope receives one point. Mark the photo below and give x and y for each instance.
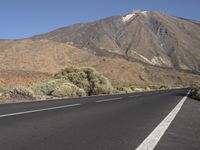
(147, 36)
(141, 48)
(25, 61)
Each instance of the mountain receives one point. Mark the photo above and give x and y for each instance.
(146, 36)
(143, 48)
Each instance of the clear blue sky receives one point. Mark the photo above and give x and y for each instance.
(24, 18)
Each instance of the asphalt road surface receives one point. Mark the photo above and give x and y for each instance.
(159, 120)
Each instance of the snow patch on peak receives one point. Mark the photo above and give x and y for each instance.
(140, 12)
(127, 17)
(132, 14)
(144, 12)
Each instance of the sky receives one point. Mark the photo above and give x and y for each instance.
(25, 18)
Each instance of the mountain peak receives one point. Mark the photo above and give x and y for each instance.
(132, 14)
(139, 11)
(151, 37)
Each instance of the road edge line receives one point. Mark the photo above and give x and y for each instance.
(154, 137)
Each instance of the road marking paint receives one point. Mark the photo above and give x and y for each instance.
(135, 95)
(151, 141)
(106, 100)
(38, 110)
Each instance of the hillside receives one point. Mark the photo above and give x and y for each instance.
(148, 36)
(141, 48)
(49, 57)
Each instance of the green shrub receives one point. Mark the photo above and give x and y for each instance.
(75, 76)
(88, 79)
(3, 90)
(73, 81)
(132, 87)
(47, 87)
(21, 93)
(68, 90)
(64, 72)
(79, 79)
(163, 87)
(125, 89)
(98, 83)
(195, 93)
(155, 87)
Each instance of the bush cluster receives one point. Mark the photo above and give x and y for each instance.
(69, 82)
(21, 93)
(47, 87)
(88, 79)
(72, 82)
(195, 93)
(124, 89)
(68, 90)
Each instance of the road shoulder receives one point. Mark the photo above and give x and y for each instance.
(184, 132)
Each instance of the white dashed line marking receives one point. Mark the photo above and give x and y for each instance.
(135, 95)
(106, 100)
(38, 110)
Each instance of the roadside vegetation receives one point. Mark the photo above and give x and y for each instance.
(129, 88)
(195, 93)
(69, 82)
(73, 82)
(88, 79)
(21, 93)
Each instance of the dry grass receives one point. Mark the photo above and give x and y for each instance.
(15, 78)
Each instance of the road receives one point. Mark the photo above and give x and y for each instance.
(115, 122)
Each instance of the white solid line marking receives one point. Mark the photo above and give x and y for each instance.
(38, 110)
(135, 95)
(151, 141)
(106, 100)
